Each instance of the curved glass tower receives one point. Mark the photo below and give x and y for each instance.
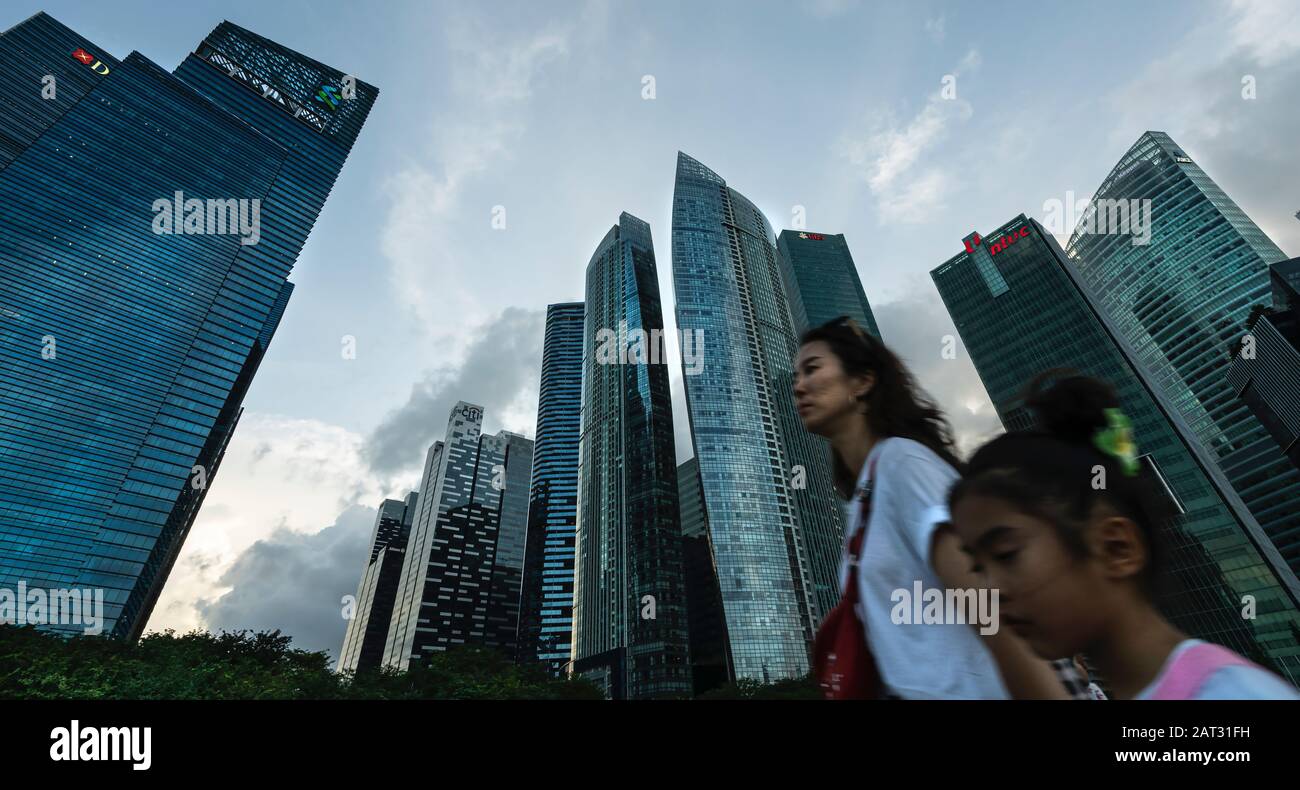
(1182, 301)
(774, 523)
(629, 620)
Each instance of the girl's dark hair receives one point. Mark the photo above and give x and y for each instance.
(895, 405)
(1051, 471)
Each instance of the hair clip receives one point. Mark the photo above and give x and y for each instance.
(1116, 440)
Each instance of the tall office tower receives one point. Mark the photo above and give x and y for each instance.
(1265, 373)
(1180, 299)
(706, 626)
(546, 603)
(1021, 308)
(822, 281)
(774, 522)
(363, 644)
(629, 608)
(464, 558)
(150, 221)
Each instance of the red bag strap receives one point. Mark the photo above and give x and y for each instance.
(864, 497)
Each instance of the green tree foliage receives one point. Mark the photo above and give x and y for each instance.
(247, 665)
(745, 688)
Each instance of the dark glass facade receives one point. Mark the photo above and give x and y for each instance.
(1267, 376)
(821, 280)
(707, 626)
(546, 604)
(1022, 309)
(461, 575)
(1180, 300)
(127, 352)
(367, 632)
(629, 592)
(774, 524)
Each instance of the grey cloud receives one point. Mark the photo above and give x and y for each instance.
(295, 582)
(502, 360)
(914, 328)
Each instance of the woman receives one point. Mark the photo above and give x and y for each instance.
(893, 456)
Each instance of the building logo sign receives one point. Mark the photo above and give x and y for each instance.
(90, 60)
(813, 236)
(1007, 240)
(998, 246)
(328, 97)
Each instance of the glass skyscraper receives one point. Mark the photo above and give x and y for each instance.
(821, 280)
(126, 343)
(1021, 308)
(465, 555)
(1181, 300)
(629, 620)
(546, 604)
(774, 522)
(367, 632)
(1267, 375)
(707, 627)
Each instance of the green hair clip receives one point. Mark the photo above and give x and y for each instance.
(1116, 440)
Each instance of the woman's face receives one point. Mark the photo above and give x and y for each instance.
(823, 393)
(1053, 600)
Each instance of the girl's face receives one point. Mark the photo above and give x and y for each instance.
(824, 393)
(1050, 598)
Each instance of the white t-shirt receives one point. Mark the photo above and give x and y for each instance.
(1231, 682)
(916, 660)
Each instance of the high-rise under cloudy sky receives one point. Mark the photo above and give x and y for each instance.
(558, 116)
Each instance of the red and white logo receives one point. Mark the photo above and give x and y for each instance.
(90, 60)
(972, 243)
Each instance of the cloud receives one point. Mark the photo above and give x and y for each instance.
(500, 373)
(295, 582)
(280, 476)
(934, 26)
(426, 235)
(825, 9)
(1195, 92)
(887, 153)
(1268, 29)
(915, 328)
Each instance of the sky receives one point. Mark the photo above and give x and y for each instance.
(552, 118)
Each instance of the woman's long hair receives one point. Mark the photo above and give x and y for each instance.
(895, 405)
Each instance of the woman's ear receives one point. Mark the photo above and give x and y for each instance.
(863, 385)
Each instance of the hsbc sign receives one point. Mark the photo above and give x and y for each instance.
(90, 60)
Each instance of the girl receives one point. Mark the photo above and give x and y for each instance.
(893, 455)
(1064, 521)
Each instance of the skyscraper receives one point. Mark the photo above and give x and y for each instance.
(706, 625)
(629, 619)
(1021, 308)
(367, 632)
(822, 281)
(1266, 371)
(773, 520)
(129, 336)
(1180, 293)
(464, 558)
(546, 603)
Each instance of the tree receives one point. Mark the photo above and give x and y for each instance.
(245, 665)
